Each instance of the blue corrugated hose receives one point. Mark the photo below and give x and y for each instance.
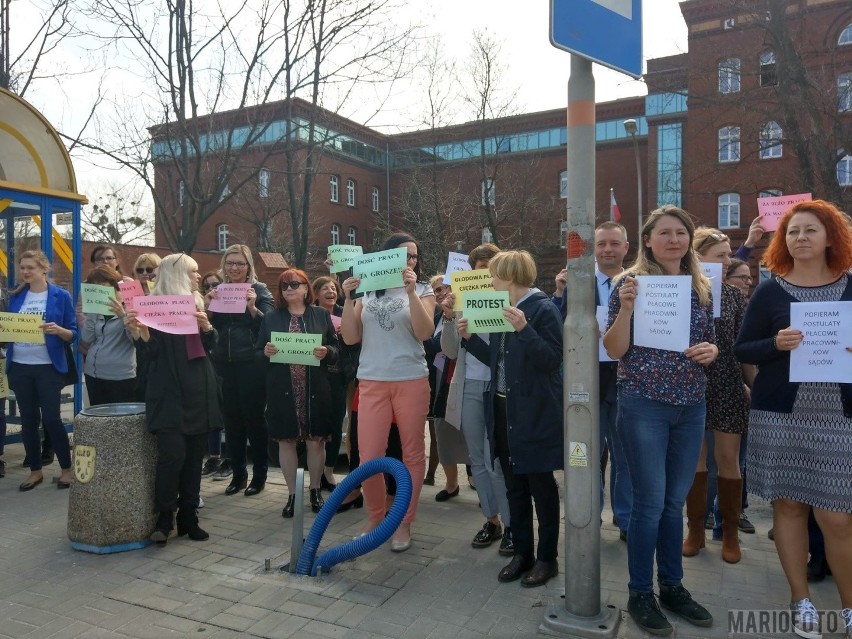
(372, 540)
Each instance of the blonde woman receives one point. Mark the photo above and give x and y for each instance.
(661, 411)
(144, 270)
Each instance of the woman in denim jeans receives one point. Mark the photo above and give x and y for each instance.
(661, 410)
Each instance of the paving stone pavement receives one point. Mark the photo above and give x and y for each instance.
(440, 588)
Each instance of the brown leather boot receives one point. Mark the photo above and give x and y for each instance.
(696, 509)
(730, 505)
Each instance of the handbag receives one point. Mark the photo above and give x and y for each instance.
(72, 376)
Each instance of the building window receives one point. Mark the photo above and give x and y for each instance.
(335, 234)
(729, 211)
(350, 235)
(563, 184)
(350, 192)
(729, 75)
(770, 193)
(563, 234)
(375, 199)
(768, 69)
(263, 183)
(770, 141)
(845, 36)
(181, 192)
(670, 164)
(488, 192)
(844, 92)
(334, 188)
(222, 237)
(487, 237)
(844, 171)
(729, 144)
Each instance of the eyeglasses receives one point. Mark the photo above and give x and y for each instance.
(104, 260)
(292, 284)
(209, 285)
(716, 238)
(413, 257)
(236, 264)
(147, 269)
(742, 278)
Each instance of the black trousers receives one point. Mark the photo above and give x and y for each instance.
(338, 399)
(178, 479)
(522, 489)
(244, 397)
(110, 391)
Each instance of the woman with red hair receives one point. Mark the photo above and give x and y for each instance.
(800, 433)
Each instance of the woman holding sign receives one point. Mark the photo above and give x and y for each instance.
(801, 432)
(299, 404)
(391, 326)
(37, 371)
(243, 384)
(181, 399)
(661, 412)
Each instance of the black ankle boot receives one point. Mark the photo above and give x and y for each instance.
(187, 524)
(316, 499)
(288, 509)
(163, 527)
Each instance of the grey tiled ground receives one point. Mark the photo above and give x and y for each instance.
(440, 588)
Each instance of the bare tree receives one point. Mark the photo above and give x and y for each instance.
(117, 215)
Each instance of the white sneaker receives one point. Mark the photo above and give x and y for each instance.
(805, 619)
(846, 613)
(200, 502)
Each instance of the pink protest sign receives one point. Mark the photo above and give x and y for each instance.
(130, 289)
(230, 298)
(335, 321)
(772, 209)
(173, 314)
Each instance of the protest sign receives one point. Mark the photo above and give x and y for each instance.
(97, 298)
(21, 328)
(455, 262)
(772, 209)
(463, 282)
(602, 315)
(130, 289)
(827, 331)
(343, 256)
(662, 312)
(713, 271)
(173, 314)
(380, 270)
(230, 298)
(295, 348)
(483, 311)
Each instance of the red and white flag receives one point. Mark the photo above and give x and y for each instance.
(614, 213)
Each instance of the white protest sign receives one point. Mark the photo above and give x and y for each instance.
(822, 355)
(662, 312)
(455, 262)
(713, 271)
(602, 313)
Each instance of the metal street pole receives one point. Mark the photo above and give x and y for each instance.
(581, 615)
(630, 128)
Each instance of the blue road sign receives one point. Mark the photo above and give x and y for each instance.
(608, 32)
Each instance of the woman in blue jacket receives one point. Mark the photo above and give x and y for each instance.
(523, 413)
(36, 371)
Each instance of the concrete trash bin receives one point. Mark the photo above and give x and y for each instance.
(111, 502)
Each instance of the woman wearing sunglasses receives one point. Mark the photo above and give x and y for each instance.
(299, 398)
(145, 270)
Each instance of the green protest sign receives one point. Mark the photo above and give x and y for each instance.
(342, 256)
(97, 298)
(295, 348)
(380, 270)
(484, 311)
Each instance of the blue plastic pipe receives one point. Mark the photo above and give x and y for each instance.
(372, 540)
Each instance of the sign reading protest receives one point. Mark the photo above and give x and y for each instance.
(484, 311)
(97, 298)
(343, 256)
(662, 310)
(380, 270)
(173, 314)
(129, 290)
(295, 348)
(602, 315)
(455, 262)
(21, 328)
(467, 281)
(827, 331)
(713, 271)
(230, 298)
(772, 209)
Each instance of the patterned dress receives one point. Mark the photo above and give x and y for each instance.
(806, 455)
(727, 406)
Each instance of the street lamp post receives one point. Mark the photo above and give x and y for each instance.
(630, 128)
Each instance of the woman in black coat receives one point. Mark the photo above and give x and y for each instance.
(299, 403)
(181, 402)
(524, 413)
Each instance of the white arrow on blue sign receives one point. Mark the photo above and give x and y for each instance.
(608, 32)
